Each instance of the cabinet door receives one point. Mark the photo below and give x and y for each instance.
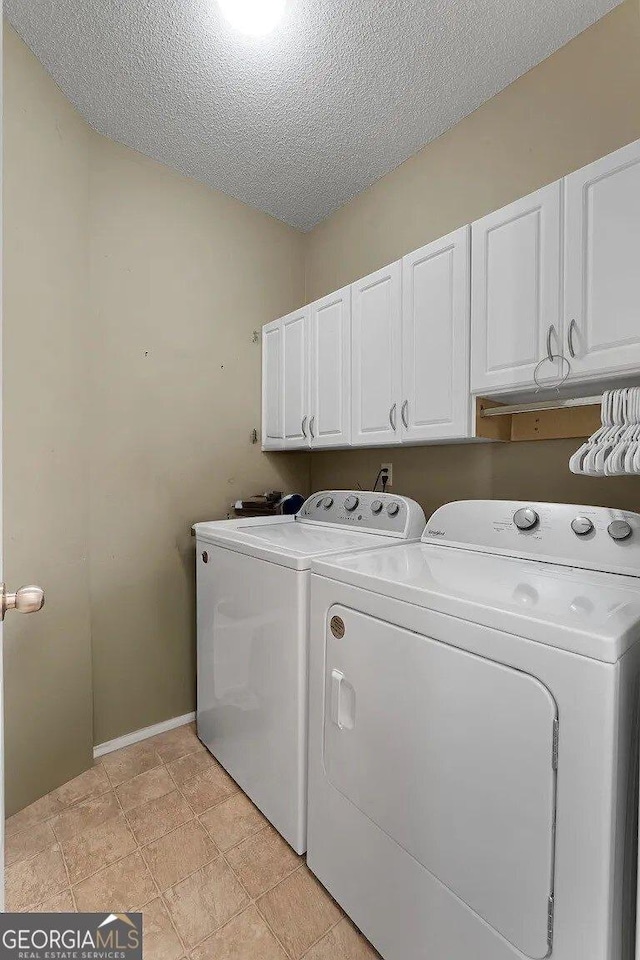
(330, 370)
(515, 292)
(272, 435)
(435, 340)
(602, 281)
(295, 379)
(376, 357)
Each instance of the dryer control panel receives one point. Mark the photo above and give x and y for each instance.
(593, 538)
(380, 513)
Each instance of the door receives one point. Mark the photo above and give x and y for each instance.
(376, 357)
(515, 292)
(453, 757)
(272, 435)
(602, 281)
(330, 370)
(435, 340)
(295, 381)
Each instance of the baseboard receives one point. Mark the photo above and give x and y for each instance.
(137, 735)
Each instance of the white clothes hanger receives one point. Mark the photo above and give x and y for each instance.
(614, 449)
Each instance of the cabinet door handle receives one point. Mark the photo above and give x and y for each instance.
(311, 423)
(392, 416)
(404, 414)
(551, 331)
(572, 350)
(304, 426)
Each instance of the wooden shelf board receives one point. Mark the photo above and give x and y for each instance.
(559, 424)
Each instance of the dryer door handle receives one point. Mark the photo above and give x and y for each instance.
(343, 702)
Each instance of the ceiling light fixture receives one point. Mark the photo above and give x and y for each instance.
(255, 17)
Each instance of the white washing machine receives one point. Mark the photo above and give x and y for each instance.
(473, 734)
(253, 635)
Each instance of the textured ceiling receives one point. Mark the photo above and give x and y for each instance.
(299, 122)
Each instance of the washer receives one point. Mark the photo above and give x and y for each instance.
(252, 636)
(473, 734)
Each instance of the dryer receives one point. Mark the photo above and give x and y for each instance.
(252, 578)
(473, 734)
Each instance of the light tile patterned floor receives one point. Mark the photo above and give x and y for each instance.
(161, 827)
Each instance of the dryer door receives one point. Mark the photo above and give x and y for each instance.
(452, 756)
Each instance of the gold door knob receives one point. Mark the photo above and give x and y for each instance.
(28, 599)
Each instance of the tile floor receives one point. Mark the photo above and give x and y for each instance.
(161, 827)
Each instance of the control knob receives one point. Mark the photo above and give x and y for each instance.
(619, 529)
(328, 503)
(393, 509)
(351, 503)
(525, 518)
(581, 526)
(376, 507)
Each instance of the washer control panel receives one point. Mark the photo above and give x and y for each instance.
(595, 538)
(381, 513)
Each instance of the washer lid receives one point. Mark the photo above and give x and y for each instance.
(284, 541)
(592, 614)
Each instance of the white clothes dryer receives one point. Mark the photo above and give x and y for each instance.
(473, 734)
(253, 636)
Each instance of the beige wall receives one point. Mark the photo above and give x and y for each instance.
(131, 389)
(180, 277)
(578, 105)
(46, 457)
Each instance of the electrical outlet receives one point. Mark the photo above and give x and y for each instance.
(389, 468)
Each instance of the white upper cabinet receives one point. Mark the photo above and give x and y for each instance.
(488, 309)
(295, 378)
(515, 292)
(376, 357)
(285, 382)
(272, 435)
(435, 340)
(602, 264)
(330, 370)
(306, 376)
